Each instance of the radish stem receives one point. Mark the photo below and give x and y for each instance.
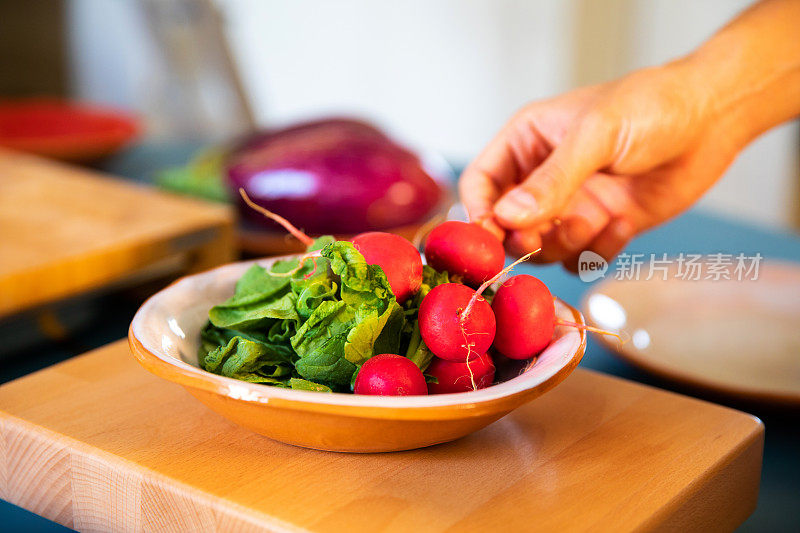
(491, 280)
(299, 235)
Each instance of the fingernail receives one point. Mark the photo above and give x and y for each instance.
(517, 206)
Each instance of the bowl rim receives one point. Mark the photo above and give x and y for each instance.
(478, 402)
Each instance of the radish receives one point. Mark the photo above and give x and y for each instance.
(466, 251)
(526, 317)
(398, 259)
(390, 375)
(447, 330)
(460, 376)
(455, 322)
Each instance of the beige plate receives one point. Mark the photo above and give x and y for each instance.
(164, 339)
(739, 338)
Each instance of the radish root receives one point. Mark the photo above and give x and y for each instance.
(312, 255)
(299, 235)
(468, 345)
(622, 337)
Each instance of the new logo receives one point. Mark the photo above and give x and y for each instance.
(591, 266)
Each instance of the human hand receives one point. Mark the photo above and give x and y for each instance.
(592, 168)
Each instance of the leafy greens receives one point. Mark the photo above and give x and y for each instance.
(311, 326)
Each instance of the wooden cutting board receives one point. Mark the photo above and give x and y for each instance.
(66, 230)
(98, 444)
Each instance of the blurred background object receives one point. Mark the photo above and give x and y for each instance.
(198, 87)
(333, 176)
(170, 61)
(736, 339)
(68, 231)
(64, 130)
(328, 176)
(444, 75)
(34, 58)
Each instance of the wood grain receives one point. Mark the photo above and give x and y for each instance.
(97, 443)
(65, 230)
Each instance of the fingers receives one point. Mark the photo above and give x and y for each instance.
(479, 189)
(551, 251)
(512, 154)
(479, 192)
(610, 242)
(579, 224)
(613, 239)
(607, 241)
(493, 227)
(485, 179)
(519, 243)
(549, 187)
(582, 220)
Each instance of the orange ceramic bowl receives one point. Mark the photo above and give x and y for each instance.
(164, 338)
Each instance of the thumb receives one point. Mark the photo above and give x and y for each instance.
(546, 190)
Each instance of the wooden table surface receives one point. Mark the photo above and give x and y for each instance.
(66, 230)
(97, 443)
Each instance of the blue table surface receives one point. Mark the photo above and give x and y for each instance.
(694, 232)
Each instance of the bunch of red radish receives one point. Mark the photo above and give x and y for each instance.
(457, 324)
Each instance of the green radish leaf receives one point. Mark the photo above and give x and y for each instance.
(353, 378)
(212, 337)
(254, 377)
(320, 341)
(241, 356)
(417, 351)
(361, 283)
(412, 344)
(256, 312)
(321, 242)
(304, 384)
(261, 295)
(313, 328)
(373, 333)
(312, 291)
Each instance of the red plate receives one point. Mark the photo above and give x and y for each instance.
(64, 130)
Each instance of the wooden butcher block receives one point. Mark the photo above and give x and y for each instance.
(99, 444)
(66, 230)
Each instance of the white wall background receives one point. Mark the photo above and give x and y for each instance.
(763, 183)
(444, 74)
